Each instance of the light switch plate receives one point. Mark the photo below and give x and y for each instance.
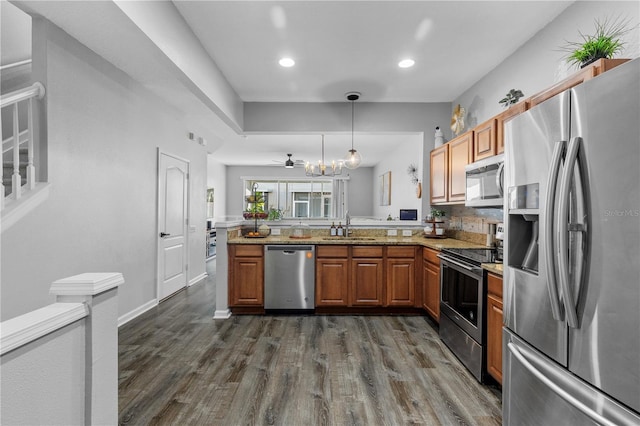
(275, 231)
(406, 232)
(392, 232)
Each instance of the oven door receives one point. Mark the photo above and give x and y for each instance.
(461, 290)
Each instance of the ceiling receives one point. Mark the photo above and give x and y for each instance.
(338, 46)
(342, 46)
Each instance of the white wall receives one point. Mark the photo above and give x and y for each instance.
(283, 117)
(403, 192)
(538, 63)
(217, 179)
(104, 131)
(360, 186)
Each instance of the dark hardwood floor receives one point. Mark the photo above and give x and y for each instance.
(178, 366)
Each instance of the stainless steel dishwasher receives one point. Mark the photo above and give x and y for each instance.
(289, 277)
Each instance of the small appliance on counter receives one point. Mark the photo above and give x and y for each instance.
(499, 241)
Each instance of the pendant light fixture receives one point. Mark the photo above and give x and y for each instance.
(323, 169)
(353, 158)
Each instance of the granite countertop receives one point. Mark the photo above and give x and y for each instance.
(494, 268)
(436, 244)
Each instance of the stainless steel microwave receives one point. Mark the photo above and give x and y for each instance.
(484, 182)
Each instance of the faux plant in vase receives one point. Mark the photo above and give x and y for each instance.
(604, 44)
(511, 98)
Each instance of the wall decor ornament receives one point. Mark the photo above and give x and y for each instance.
(457, 120)
(385, 189)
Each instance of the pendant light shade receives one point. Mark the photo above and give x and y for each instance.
(353, 158)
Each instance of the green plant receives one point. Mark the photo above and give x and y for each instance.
(511, 98)
(275, 214)
(437, 213)
(605, 43)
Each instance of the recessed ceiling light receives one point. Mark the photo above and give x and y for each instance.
(406, 63)
(287, 62)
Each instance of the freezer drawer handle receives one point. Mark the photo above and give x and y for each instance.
(557, 389)
(552, 183)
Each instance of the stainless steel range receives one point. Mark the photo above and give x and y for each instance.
(462, 308)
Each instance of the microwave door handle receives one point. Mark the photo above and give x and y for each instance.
(563, 231)
(552, 184)
(500, 179)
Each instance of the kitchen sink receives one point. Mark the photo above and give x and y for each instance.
(348, 238)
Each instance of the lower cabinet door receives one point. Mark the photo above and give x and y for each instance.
(431, 289)
(332, 282)
(494, 337)
(366, 282)
(401, 282)
(247, 286)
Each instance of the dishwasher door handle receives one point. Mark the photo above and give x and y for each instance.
(289, 252)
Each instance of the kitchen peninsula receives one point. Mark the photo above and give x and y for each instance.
(412, 259)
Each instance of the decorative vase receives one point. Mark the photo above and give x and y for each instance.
(439, 137)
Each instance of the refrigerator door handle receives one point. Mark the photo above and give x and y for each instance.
(563, 231)
(557, 389)
(552, 183)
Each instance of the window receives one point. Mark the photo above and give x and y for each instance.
(299, 198)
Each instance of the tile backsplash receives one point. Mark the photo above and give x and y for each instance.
(471, 224)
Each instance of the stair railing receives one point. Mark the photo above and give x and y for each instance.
(13, 142)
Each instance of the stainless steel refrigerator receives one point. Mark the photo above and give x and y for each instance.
(571, 340)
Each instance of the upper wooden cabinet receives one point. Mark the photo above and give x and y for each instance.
(484, 140)
(448, 182)
(505, 116)
(460, 154)
(586, 73)
(439, 174)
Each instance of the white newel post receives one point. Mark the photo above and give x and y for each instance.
(99, 292)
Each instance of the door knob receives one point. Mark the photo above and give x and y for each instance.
(164, 234)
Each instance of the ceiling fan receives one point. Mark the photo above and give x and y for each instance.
(289, 163)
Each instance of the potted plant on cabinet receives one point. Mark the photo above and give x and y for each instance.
(604, 44)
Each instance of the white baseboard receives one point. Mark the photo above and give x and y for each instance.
(137, 312)
(197, 279)
(225, 314)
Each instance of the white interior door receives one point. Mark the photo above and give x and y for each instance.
(173, 195)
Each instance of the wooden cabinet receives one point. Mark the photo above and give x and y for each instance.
(579, 77)
(484, 140)
(505, 116)
(431, 282)
(494, 326)
(332, 276)
(246, 276)
(366, 275)
(460, 154)
(401, 276)
(447, 173)
(439, 174)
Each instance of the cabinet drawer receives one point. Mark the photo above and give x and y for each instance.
(401, 251)
(332, 251)
(248, 250)
(431, 255)
(366, 251)
(494, 285)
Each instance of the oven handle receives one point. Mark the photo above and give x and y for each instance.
(462, 265)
